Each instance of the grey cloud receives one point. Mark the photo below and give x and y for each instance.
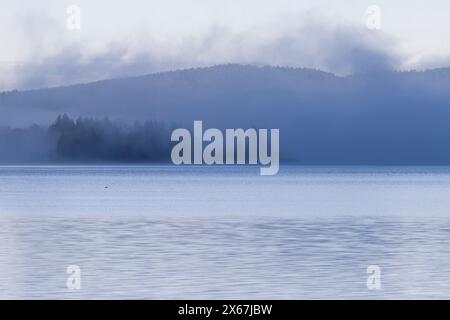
(71, 66)
(341, 50)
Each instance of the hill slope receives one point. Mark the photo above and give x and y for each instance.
(380, 118)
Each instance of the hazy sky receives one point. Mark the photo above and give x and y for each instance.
(120, 38)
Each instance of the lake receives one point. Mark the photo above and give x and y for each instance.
(167, 232)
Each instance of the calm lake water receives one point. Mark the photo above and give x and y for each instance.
(165, 232)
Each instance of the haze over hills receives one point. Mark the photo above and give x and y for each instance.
(379, 118)
(170, 96)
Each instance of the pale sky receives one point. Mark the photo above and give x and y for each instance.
(120, 38)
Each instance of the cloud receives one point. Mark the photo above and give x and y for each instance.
(426, 62)
(313, 43)
(71, 65)
(342, 50)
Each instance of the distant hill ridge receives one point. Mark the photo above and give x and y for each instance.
(378, 118)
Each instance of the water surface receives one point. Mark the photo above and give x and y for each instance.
(170, 232)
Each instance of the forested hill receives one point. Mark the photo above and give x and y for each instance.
(377, 118)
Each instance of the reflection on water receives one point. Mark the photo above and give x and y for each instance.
(164, 232)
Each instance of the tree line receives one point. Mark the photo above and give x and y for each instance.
(86, 139)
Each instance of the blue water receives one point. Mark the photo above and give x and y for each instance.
(165, 232)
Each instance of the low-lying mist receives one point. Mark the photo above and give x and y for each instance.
(85, 140)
